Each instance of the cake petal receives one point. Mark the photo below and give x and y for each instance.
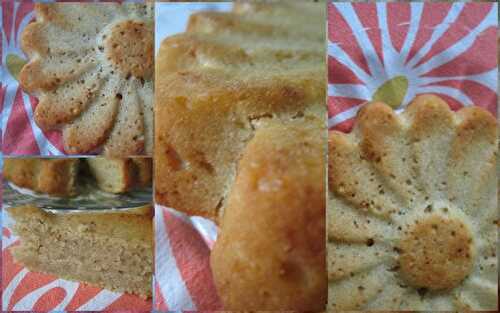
(127, 135)
(43, 39)
(431, 131)
(354, 292)
(385, 146)
(441, 303)
(390, 298)
(67, 102)
(353, 178)
(50, 73)
(478, 294)
(413, 301)
(472, 156)
(146, 98)
(92, 127)
(70, 17)
(345, 260)
(349, 225)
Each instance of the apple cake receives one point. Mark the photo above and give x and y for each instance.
(240, 114)
(412, 212)
(91, 67)
(112, 250)
(61, 177)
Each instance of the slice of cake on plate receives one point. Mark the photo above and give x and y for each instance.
(111, 250)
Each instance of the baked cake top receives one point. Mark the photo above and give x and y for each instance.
(412, 213)
(91, 67)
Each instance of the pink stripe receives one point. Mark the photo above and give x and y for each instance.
(480, 95)
(19, 138)
(160, 303)
(398, 16)
(346, 126)
(479, 58)
(471, 15)
(432, 15)
(50, 299)
(337, 105)
(339, 32)
(192, 257)
(367, 14)
(25, 7)
(338, 73)
(7, 18)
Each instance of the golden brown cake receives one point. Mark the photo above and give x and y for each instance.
(61, 177)
(52, 176)
(109, 250)
(240, 113)
(120, 175)
(413, 212)
(270, 254)
(217, 83)
(91, 67)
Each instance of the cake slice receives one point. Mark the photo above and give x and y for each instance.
(112, 250)
(120, 175)
(52, 176)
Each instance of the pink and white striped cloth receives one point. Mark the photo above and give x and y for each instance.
(183, 279)
(447, 49)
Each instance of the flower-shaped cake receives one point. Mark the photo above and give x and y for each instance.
(91, 67)
(412, 212)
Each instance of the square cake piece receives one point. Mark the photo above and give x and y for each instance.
(112, 250)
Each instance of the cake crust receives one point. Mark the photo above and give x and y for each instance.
(270, 254)
(412, 209)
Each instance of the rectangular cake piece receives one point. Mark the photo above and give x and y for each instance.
(112, 250)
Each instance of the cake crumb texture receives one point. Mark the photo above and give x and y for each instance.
(109, 250)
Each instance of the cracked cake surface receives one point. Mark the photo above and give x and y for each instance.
(412, 210)
(91, 67)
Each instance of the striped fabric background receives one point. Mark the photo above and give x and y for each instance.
(447, 49)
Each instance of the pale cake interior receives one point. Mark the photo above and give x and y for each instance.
(109, 250)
